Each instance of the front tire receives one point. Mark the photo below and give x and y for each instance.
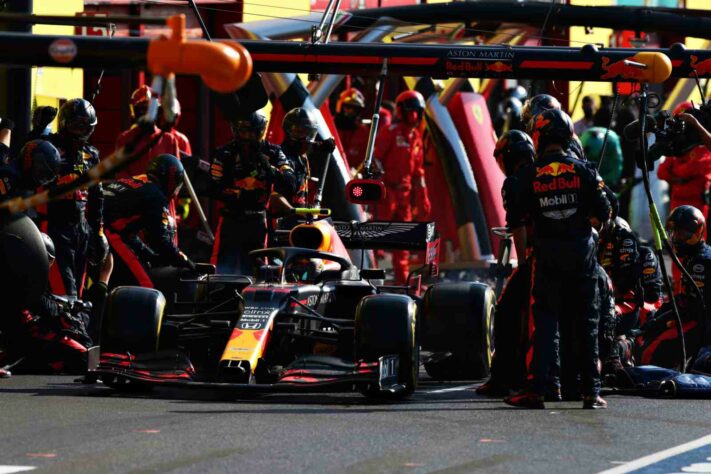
(386, 325)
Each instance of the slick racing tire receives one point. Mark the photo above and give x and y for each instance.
(132, 320)
(458, 326)
(386, 325)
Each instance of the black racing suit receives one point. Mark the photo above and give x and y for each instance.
(73, 220)
(243, 183)
(559, 194)
(658, 343)
(140, 230)
(298, 193)
(619, 255)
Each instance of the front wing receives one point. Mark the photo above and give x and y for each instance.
(173, 369)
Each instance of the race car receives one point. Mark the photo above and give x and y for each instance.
(309, 319)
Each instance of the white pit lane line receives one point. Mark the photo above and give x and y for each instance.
(451, 389)
(12, 469)
(659, 456)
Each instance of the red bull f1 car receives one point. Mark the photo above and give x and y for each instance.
(308, 320)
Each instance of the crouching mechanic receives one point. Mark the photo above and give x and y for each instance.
(399, 148)
(513, 151)
(636, 281)
(244, 174)
(658, 342)
(51, 336)
(560, 195)
(137, 209)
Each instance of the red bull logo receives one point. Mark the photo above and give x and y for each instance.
(499, 66)
(555, 169)
(621, 70)
(558, 184)
(702, 68)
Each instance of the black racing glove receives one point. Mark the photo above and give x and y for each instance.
(265, 167)
(98, 249)
(326, 146)
(6, 124)
(43, 116)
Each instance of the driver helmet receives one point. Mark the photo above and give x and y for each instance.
(304, 270)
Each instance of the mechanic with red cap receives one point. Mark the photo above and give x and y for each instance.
(167, 143)
(245, 173)
(400, 151)
(351, 131)
(658, 343)
(74, 221)
(562, 197)
(139, 226)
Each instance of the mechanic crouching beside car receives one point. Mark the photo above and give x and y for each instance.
(137, 208)
(562, 198)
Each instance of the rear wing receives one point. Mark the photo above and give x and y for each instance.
(390, 235)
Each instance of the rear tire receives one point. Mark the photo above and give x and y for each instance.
(458, 319)
(385, 325)
(132, 320)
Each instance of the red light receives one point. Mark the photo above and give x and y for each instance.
(357, 191)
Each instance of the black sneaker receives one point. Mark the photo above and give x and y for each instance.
(524, 399)
(553, 395)
(595, 402)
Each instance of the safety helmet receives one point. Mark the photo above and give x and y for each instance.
(535, 105)
(140, 99)
(551, 126)
(410, 101)
(299, 126)
(250, 127)
(518, 92)
(167, 172)
(49, 246)
(352, 97)
(686, 225)
(513, 150)
(77, 118)
(592, 140)
(40, 160)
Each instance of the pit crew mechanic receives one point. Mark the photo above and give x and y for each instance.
(300, 147)
(560, 195)
(514, 150)
(351, 131)
(400, 151)
(139, 206)
(244, 173)
(75, 220)
(658, 342)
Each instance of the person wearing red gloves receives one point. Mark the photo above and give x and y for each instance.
(400, 151)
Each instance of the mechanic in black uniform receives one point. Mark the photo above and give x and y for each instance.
(658, 343)
(560, 195)
(245, 173)
(513, 151)
(75, 220)
(8, 170)
(139, 226)
(300, 147)
(51, 335)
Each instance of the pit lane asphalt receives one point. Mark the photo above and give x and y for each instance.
(60, 426)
